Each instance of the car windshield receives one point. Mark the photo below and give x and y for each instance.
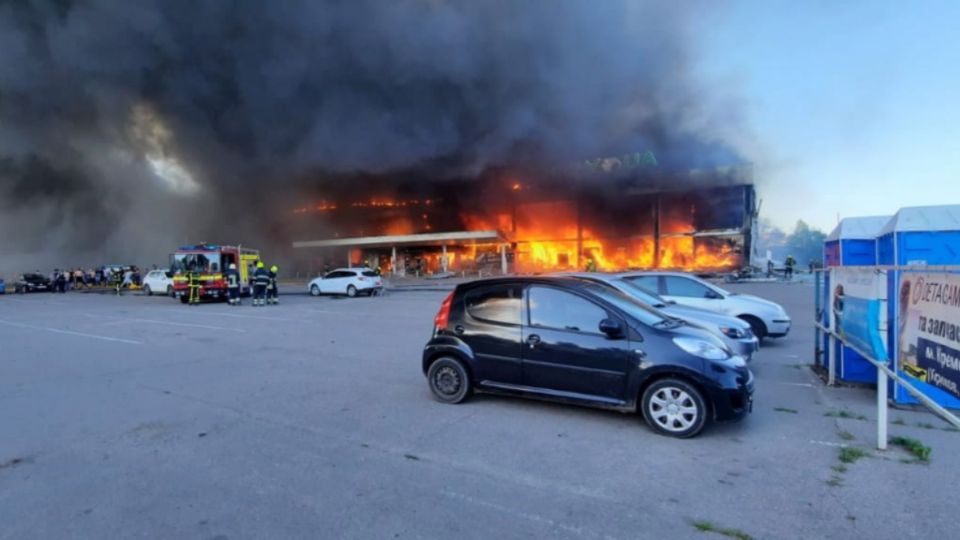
(643, 313)
(642, 294)
(196, 262)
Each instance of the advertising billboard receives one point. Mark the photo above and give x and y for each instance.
(929, 329)
(858, 312)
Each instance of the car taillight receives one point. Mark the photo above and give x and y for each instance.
(443, 316)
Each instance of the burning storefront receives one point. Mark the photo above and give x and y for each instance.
(511, 222)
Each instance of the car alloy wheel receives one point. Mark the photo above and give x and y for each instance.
(147, 291)
(674, 407)
(314, 290)
(449, 380)
(170, 291)
(351, 291)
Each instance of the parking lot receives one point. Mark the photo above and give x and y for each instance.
(142, 417)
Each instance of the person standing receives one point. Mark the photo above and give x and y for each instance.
(790, 262)
(272, 296)
(193, 282)
(261, 278)
(118, 281)
(60, 281)
(233, 285)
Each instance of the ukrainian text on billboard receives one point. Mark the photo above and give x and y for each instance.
(929, 329)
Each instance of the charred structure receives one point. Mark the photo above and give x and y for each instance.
(508, 221)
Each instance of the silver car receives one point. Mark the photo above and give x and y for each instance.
(736, 333)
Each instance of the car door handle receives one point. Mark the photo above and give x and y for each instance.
(458, 329)
(533, 340)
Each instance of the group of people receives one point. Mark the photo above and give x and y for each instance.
(104, 276)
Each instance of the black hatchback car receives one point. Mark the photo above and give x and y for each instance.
(573, 341)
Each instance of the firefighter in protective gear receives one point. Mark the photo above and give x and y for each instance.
(193, 282)
(233, 285)
(790, 263)
(261, 279)
(272, 291)
(117, 281)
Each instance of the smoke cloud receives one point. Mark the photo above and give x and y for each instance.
(127, 128)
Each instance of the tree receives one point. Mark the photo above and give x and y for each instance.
(805, 244)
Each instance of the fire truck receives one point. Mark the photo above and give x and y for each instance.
(210, 261)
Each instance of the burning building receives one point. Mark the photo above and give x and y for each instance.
(508, 221)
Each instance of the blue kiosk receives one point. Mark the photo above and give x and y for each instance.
(922, 236)
(852, 243)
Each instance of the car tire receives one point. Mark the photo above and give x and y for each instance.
(351, 291)
(184, 299)
(314, 290)
(756, 326)
(170, 291)
(449, 380)
(674, 407)
(147, 291)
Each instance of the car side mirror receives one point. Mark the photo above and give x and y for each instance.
(613, 328)
(712, 295)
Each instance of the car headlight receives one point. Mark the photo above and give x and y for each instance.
(733, 333)
(701, 348)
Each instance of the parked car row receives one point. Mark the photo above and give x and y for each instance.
(604, 340)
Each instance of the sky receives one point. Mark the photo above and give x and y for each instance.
(851, 108)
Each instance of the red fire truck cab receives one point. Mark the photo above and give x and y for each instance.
(210, 262)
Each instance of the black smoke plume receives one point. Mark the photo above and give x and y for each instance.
(127, 128)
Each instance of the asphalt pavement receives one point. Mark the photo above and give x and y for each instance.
(141, 417)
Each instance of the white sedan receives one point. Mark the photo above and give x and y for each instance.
(156, 281)
(348, 281)
(768, 319)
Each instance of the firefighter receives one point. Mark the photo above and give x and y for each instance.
(272, 291)
(261, 278)
(789, 263)
(193, 280)
(118, 281)
(233, 285)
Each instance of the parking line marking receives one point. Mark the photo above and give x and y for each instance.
(171, 323)
(537, 518)
(222, 314)
(829, 443)
(70, 332)
(803, 384)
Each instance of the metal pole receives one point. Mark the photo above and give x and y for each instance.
(831, 361)
(921, 397)
(503, 259)
(443, 259)
(881, 409)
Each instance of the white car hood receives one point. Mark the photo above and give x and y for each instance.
(758, 302)
(703, 316)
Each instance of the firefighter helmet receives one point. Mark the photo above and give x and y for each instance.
(259, 264)
(274, 269)
(233, 266)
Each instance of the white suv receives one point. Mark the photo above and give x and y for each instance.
(348, 281)
(768, 319)
(156, 281)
